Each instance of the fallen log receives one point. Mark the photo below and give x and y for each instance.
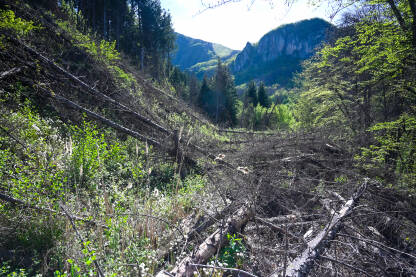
(12, 71)
(301, 265)
(211, 245)
(105, 121)
(238, 271)
(91, 89)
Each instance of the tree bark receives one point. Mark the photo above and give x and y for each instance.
(301, 265)
(211, 245)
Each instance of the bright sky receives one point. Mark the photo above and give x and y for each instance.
(234, 24)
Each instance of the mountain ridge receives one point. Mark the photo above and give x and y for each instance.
(195, 54)
(273, 59)
(280, 52)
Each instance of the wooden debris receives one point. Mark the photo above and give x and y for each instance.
(210, 246)
(12, 71)
(302, 264)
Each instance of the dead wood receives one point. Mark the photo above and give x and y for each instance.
(277, 228)
(106, 121)
(245, 132)
(91, 89)
(212, 244)
(379, 245)
(12, 71)
(347, 265)
(302, 264)
(238, 271)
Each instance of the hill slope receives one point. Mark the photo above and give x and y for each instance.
(199, 56)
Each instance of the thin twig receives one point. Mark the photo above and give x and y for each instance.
(224, 269)
(70, 217)
(377, 244)
(347, 265)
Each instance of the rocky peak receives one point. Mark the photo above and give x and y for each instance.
(297, 40)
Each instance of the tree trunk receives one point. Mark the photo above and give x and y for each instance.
(212, 244)
(302, 265)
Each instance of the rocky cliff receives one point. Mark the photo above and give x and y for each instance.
(279, 53)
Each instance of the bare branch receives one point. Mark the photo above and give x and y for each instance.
(301, 266)
(224, 269)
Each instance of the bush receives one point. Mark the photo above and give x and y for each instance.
(394, 152)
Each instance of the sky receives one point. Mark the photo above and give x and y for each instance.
(234, 24)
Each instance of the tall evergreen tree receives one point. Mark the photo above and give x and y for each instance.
(193, 89)
(220, 88)
(226, 95)
(262, 96)
(206, 98)
(251, 94)
(141, 28)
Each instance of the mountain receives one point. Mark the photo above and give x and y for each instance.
(274, 59)
(280, 52)
(199, 56)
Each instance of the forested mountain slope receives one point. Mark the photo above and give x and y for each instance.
(198, 56)
(104, 171)
(273, 59)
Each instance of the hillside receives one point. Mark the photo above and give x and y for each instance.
(105, 171)
(280, 52)
(198, 56)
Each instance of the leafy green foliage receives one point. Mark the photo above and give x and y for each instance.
(277, 117)
(393, 152)
(232, 255)
(94, 160)
(21, 27)
(105, 50)
(6, 271)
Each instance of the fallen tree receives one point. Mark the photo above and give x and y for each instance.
(211, 245)
(302, 264)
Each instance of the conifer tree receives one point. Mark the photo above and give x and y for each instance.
(206, 97)
(193, 89)
(251, 94)
(226, 95)
(141, 28)
(262, 96)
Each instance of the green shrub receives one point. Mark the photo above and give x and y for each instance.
(395, 151)
(232, 255)
(9, 21)
(88, 154)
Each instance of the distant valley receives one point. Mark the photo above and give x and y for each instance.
(273, 60)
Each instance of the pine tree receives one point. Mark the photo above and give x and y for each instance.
(206, 98)
(141, 28)
(226, 95)
(262, 96)
(193, 89)
(251, 94)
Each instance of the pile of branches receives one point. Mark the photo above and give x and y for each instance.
(303, 210)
